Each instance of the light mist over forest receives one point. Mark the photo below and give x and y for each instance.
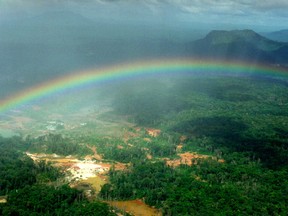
(41, 43)
(46, 38)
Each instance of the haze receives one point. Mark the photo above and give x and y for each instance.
(42, 39)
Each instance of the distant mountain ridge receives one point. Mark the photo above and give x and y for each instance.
(281, 35)
(240, 44)
(221, 37)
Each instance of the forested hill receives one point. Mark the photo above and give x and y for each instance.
(240, 44)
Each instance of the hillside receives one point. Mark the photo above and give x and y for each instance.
(240, 44)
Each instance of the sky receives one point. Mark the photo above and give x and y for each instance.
(261, 15)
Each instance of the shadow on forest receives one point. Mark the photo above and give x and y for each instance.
(218, 88)
(224, 128)
(233, 134)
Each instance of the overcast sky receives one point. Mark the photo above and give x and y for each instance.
(258, 14)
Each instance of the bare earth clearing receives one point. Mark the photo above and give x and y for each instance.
(78, 170)
(90, 174)
(189, 158)
(135, 207)
(83, 172)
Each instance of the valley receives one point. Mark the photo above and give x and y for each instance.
(143, 151)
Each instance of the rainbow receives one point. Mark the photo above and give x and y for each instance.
(162, 66)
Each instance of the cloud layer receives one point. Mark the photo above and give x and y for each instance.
(244, 12)
(191, 5)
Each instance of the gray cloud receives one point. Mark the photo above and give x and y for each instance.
(230, 6)
(186, 5)
(262, 12)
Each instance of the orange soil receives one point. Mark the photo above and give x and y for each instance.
(135, 207)
(149, 156)
(120, 166)
(186, 158)
(221, 160)
(117, 166)
(96, 155)
(153, 132)
(179, 147)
